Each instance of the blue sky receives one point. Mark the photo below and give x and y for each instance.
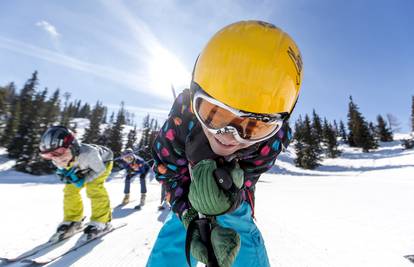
(133, 51)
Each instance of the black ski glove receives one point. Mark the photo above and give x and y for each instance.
(197, 147)
(81, 174)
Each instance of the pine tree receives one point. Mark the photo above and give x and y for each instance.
(299, 145)
(7, 95)
(149, 133)
(3, 104)
(85, 111)
(51, 111)
(26, 106)
(112, 118)
(105, 114)
(12, 124)
(310, 150)
(412, 113)
(317, 126)
(116, 137)
(131, 138)
(393, 123)
(146, 131)
(384, 133)
(29, 159)
(103, 139)
(359, 132)
(329, 140)
(336, 128)
(154, 126)
(49, 114)
(92, 133)
(325, 132)
(7, 100)
(65, 115)
(77, 108)
(373, 130)
(71, 110)
(342, 131)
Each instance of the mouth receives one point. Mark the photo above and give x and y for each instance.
(224, 143)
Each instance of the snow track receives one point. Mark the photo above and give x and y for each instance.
(356, 210)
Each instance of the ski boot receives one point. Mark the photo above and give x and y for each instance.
(164, 205)
(125, 200)
(95, 228)
(141, 202)
(66, 229)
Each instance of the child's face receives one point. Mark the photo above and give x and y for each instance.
(60, 159)
(223, 144)
(128, 158)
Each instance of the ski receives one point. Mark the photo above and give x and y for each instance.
(46, 245)
(81, 242)
(410, 258)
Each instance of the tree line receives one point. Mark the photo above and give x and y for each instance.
(25, 116)
(316, 139)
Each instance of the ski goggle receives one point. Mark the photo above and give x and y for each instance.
(58, 152)
(247, 128)
(128, 158)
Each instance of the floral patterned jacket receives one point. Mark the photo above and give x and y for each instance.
(171, 165)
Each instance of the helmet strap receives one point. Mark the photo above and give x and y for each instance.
(75, 148)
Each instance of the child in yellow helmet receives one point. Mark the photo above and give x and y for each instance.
(220, 136)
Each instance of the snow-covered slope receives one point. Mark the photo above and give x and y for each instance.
(356, 210)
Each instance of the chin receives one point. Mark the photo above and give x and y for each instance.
(222, 149)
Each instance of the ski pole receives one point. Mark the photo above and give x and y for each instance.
(204, 227)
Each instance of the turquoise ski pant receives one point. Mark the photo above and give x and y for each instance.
(169, 248)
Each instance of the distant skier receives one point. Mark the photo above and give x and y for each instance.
(79, 165)
(134, 165)
(220, 136)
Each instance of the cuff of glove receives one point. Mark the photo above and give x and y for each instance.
(188, 216)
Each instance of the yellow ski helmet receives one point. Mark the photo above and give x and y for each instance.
(251, 66)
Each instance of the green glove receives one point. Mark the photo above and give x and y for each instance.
(225, 242)
(206, 196)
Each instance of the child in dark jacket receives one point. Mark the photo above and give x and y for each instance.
(220, 136)
(134, 165)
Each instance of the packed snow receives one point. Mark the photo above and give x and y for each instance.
(356, 210)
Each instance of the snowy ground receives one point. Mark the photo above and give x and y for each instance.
(354, 211)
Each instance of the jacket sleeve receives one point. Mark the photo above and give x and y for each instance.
(264, 158)
(170, 163)
(94, 164)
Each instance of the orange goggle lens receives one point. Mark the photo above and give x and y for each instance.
(216, 117)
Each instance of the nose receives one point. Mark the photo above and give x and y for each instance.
(227, 138)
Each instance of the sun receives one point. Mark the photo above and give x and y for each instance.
(166, 70)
